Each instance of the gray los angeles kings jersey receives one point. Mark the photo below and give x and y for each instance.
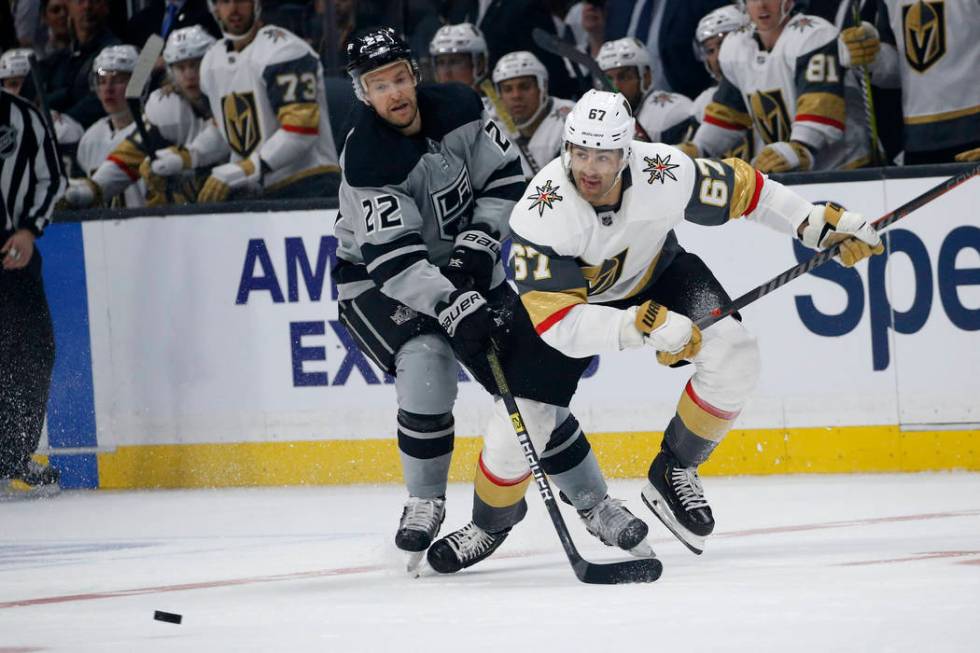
(403, 199)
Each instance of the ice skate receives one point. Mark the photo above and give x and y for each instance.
(420, 523)
(32, 480)
(464, 548)
(615, 525)
(676, 497)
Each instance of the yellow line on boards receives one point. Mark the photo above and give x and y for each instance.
(621, 455)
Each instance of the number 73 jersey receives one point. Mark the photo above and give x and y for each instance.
(566, 252)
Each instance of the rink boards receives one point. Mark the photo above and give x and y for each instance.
(205, 350)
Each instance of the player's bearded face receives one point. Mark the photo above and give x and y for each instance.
(521, 96)
(391, 91)
(236, 16)
(626, 79)
(187, 76)
(594, 171)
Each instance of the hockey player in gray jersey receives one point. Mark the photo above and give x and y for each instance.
(427, 186)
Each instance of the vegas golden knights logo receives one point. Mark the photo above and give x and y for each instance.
(604, 276)
(770, 115)
(924, 27)
(241, 122)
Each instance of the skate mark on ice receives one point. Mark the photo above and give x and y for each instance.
(931, 555)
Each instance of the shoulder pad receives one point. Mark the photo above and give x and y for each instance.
(446, 107)
(546, 213)
(376, 155)
(277, 44)
(163, 105)
(807, 33)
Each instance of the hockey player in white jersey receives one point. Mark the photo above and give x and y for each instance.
(15, 68)
(110, 74)
(522, 83)
(708, 37)
(176, 117)
(661, 116)
(428, 185)
(600, 270)
(459, 54)
(265, 88)
(931, 50)
(781, 79)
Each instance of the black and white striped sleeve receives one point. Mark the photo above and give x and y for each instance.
(31, 175)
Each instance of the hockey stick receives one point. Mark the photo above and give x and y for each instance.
(134, 96)
(487, 87)
(869, 106)
(823, 256)
(41, 99)
(641, 570)
(554, 45)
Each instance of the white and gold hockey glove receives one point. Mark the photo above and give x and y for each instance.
(171, 161)
(226, 178)
(969, 155)
(858, 46)
(673, 335)
(831, 224)
(783, 156)
(82, 193)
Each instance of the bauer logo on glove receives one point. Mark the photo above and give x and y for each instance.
(831, 224)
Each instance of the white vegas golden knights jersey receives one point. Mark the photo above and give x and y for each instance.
(797, 91)
(95, 158)
(174, 117)
(665, 117)
(545, 144)
(938, 44)
(566, 252)
(743, 148)
(275, 83)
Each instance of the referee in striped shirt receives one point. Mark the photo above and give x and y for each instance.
(31, 180)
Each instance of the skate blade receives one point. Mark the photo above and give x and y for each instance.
(18, 490)
(413, 564)
(643, 550)
(657, 505)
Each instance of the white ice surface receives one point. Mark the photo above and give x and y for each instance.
(315, 569)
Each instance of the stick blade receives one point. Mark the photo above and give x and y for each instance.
(644, 570)
(144, 67)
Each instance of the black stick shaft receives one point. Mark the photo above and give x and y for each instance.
(823, 256)
(544, 487)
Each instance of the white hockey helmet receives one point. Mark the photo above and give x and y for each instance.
(523, 64)
(627, 51)
(256, 11)
(113, 59)
(466, 38)
(15, 63)
(602, 121)
(187, 43)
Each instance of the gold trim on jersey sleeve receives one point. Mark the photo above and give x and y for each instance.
(128, 155)
(724, 116)
(301, 117)
(542, 305)
(744, 187)
(824, 105)
(940, 117)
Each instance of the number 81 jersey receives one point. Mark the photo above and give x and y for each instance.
(276, 82)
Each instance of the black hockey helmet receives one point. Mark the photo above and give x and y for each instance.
(374, 49)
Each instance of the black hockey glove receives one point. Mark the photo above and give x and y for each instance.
(466, 320)
(475, 255)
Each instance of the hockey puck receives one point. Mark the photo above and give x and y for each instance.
(169, 617)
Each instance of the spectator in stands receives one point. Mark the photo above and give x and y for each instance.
(15, 70)
(68, 83)
(507, 26)
(54, 13)
(661, 116)
(937, 75)
(164, 16)
(28, 24)
(459, 54)
(667, 28)
(533, 120)
(110, 74)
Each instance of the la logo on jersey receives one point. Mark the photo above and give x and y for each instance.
(924, 24)
(659, 168)
(544, 197)
(241, 122)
